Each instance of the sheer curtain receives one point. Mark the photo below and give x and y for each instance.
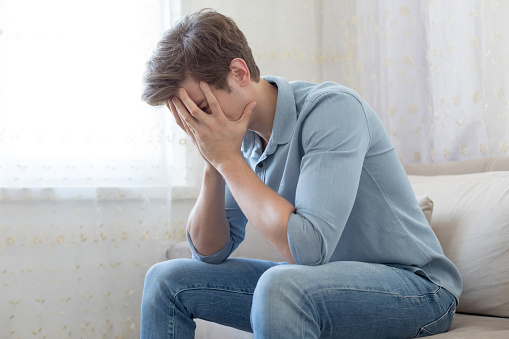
(436, 72)
(85, 166)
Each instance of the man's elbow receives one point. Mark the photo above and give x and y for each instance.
(309, 256)
(211, 259)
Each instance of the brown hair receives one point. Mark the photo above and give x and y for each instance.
(201, 45)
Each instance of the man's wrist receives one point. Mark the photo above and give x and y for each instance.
(234, 162)
(211, 171)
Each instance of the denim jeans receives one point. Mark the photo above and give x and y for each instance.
(336, 300)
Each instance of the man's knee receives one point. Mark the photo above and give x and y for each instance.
(279, 301)
(279, 277)
(277, 288)
(165, 277)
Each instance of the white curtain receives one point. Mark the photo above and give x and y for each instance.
(436, 72)
(85, 167)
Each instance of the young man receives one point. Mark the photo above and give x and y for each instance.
(311, 167)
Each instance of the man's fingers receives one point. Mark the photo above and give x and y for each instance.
(183, 118)
(176, 116)
(211, 99)
(182, 111)
(189, 104)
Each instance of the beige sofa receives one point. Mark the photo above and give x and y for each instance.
(469, 201)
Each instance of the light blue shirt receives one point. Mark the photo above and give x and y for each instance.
(330, 157)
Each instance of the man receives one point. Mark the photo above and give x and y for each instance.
(311, 167)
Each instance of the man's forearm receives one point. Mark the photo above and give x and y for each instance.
(266, 210)
(208, 227)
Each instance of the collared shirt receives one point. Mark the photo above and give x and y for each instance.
(330, 157)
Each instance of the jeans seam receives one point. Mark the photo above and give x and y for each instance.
(209, 288)
(173, 320)
(424, 329)
(381, 292)
(307, 300)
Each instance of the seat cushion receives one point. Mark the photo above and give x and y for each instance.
(464, 326)
(477, 326)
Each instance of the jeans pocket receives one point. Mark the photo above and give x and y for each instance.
(440, 325)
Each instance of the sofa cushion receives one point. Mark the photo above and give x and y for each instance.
(464, 326)
(471, 220)
(426, 205)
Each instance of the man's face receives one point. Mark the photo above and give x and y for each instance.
(230, 102)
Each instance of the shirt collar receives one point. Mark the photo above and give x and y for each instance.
(284, 120)
(286, 113)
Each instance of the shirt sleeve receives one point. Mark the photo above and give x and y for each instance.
(237, 221)
(334, 138)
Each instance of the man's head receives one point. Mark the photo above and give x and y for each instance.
(201, 46)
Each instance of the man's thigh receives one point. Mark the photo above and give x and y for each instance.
(351, 299)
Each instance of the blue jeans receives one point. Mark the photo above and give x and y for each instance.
(339, 299)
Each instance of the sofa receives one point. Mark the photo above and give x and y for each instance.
(467, 205)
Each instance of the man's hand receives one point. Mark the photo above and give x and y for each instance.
(217, 138)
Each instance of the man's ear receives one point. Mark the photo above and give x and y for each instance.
(240, 72)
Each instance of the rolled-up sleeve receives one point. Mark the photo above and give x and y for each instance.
(334, 138)
(215, 258)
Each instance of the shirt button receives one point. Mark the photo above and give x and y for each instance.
(260, 165)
